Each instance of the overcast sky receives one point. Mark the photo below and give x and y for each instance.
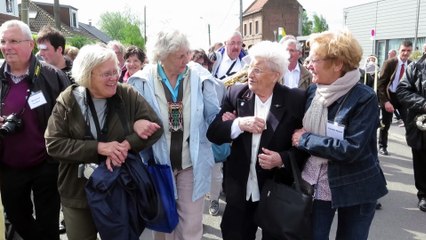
(193, 16)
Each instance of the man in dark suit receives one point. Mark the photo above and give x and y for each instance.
(389, 78)
(258, 118)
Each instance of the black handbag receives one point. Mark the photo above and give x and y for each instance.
(284, 211)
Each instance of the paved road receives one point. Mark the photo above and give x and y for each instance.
(399, 219)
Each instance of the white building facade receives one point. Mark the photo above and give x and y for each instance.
(392, 21)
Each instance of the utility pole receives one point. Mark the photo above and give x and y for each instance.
(417, 24)
(208, 32)
(144, 22)
(241, 16)
(24, 11)
(56, 14)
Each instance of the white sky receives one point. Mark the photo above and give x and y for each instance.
(193, 16)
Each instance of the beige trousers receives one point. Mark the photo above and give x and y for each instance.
(190, 226)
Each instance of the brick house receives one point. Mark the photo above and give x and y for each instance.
(262, 19)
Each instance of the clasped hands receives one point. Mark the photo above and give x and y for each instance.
(116, 152)
(250, 124)
(267, 159)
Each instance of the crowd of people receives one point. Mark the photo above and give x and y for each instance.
(225, 121)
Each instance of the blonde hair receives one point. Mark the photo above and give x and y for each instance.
(338, 46)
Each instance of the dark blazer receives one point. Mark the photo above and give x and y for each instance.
(386, 76)
(285, 116)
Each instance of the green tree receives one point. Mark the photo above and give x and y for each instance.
(306, 24)
(122, 26)
(79, 41)
(319, 24)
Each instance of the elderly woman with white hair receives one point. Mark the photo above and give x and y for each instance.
(184, 97)
(92, 122)
(259, 118)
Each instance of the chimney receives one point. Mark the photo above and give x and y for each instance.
(90, 22)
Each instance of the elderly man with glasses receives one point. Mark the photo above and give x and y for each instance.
(28, 92)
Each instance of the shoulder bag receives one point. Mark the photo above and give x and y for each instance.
(285, 211)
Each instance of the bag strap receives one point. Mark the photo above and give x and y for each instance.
(295, 170)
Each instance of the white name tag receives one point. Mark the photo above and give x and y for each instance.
(335, 130)
(36, 100)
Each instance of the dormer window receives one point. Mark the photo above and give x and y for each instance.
(9, 6)
(73, 20)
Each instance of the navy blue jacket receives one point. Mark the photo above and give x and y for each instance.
(354, 174)
(121, 200)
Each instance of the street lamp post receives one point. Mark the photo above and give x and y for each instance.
(208, 31)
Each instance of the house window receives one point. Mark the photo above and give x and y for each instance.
(256, 26)
(250, 28)
(245, 29)
(74, 21)
(9, 6)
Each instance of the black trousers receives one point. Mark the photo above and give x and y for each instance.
(419, 167)
(16, 188)
(387, 120)
(238, 223)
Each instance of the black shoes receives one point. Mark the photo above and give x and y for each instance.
(383, 151)
(378, 206)
(422, 204)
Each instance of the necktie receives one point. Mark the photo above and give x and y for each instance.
(401, 71)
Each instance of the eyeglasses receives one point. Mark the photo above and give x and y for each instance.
(235, 43)
(108, 75)
(257, 71)
(12, 42)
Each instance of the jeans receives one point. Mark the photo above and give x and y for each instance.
(353, 222)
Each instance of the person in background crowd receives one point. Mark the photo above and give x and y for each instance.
(86, 127)
(199, 56)
(212, 53)
(392, 53)
(28, 176)
(51, 44)
(412, 95)
(119, 50)
(215, 47)
(134, 60)
(228, 59)
(339, 132)
(259, 118)
(389, 78)
(71, 52)
(186, 101)
(220, 152)
(306, 63)
(297, 76)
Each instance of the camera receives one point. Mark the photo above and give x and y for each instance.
(10, 125)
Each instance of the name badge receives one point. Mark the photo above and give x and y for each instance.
(335, 130)
(36, 99)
